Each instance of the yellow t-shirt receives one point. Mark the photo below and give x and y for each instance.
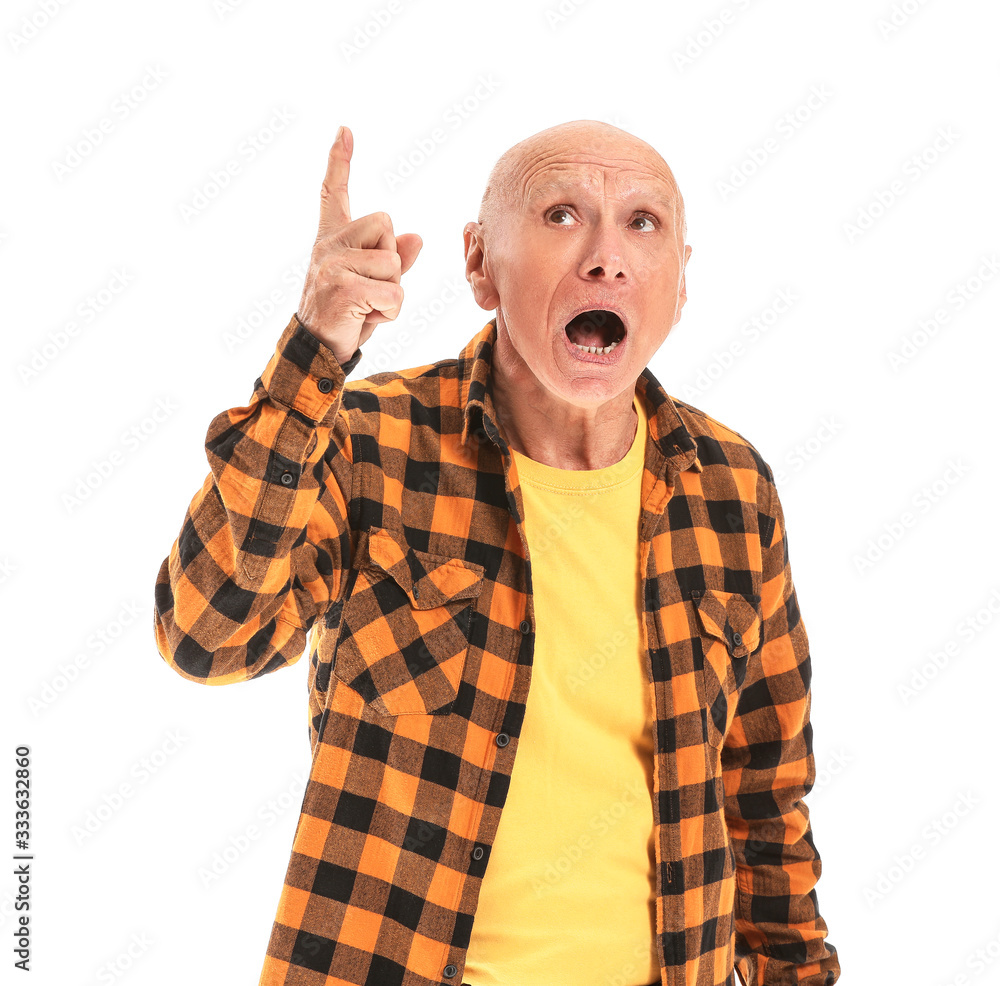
(569, 891)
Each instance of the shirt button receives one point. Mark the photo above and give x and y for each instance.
(477, 853)
(325, 385)
(450, 971)
(525, 626)
(737, 639)
(502, 739)
(287, 478)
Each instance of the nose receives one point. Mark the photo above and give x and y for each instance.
(604, 255)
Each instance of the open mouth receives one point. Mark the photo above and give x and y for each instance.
(596, 331)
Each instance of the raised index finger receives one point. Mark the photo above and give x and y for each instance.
(334, 206)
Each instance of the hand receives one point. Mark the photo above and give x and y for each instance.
(353, 279)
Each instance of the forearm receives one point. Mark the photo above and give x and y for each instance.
(260, 549)
(768, 768)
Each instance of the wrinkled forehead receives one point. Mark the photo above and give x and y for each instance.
(621, 176)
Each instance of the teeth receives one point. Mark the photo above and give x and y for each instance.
(597, 349)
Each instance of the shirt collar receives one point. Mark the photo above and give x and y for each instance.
(666, 428)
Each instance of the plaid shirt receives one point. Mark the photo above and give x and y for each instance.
(385, 515)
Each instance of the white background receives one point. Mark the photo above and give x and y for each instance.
(889, 460)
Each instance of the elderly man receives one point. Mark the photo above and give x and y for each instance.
(527, 555)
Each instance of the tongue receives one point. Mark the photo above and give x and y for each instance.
(584, 330)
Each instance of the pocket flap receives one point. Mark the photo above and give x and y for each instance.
(428, 580)
(732, 617)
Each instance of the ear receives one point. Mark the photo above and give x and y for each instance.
(682, 288)
(483, 289)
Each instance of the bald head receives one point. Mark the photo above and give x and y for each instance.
(506, 184)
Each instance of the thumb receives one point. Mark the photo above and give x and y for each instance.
(408, 246)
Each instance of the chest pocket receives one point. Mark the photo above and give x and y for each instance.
(404, 635)
(729, 627)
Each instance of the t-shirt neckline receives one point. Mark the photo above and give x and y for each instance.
(544, 476)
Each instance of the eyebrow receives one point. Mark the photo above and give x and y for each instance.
(554, 185)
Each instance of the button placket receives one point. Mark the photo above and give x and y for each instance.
(283, 471)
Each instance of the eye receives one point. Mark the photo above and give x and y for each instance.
(555, 211)
(647, 219)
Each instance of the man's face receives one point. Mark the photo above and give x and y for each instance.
(589, 228)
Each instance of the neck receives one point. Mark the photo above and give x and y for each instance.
(542, 426)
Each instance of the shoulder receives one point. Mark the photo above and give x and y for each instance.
(428, 395)
(719, 443)
(431, 385)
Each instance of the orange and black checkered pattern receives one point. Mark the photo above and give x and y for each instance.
(384, 515)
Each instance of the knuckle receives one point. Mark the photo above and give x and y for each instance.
(326, 191)
(388, 263)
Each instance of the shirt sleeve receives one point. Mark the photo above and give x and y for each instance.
(768, 768)
(264, 541)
